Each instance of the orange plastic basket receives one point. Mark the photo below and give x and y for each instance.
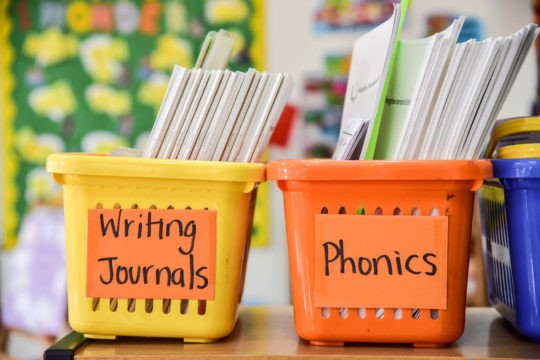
(374, 191)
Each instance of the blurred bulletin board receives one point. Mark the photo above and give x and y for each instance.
(332, 15)
(91, 75)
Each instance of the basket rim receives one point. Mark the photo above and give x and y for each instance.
(90, 164)
(327, 169)
(516, 168)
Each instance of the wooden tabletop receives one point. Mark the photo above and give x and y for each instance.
(268, 333)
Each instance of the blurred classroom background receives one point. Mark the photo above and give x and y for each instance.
(90, 76)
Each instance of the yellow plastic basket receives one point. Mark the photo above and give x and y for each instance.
(508, 130)
(97, 181)
(519, 151)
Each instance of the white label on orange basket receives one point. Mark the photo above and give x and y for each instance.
(376, 261)
(151, 253)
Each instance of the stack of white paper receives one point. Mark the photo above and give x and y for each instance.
(419, 67)
(426, 98)
(443, 98)
(370, 63)
(502, 82)
(218, 115)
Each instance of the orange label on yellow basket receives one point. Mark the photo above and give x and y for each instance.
(151, 253)
(374, 261)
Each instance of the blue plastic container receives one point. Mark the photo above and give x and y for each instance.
(510, 220)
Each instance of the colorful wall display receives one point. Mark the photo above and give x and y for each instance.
(332, 15)
(323, 98)
(90, 76)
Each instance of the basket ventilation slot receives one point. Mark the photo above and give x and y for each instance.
(499, 255)
(380, 313)
(360, 210)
